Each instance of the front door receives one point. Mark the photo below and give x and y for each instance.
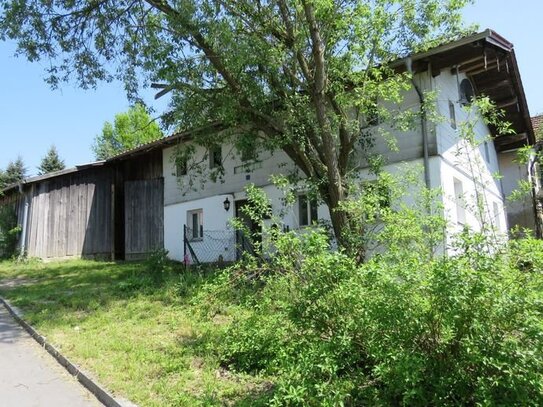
(245, 243)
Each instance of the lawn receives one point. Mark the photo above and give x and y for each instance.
(142, 339)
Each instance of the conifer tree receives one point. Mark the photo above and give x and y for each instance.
(51, 162)
(15, 172)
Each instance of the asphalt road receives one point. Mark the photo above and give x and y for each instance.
(30, 377)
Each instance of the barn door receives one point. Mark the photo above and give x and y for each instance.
(143, 217)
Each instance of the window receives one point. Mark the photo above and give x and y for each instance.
(215, 157)
(452, 115)
(249, 154)
(373, 117)
(307, 210)
(378, 191)
(497, 222)
(195, 222)
(466, 92)
(181, 167)
(458, 200)
(487, 153)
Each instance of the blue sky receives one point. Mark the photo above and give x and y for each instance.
(32, 117)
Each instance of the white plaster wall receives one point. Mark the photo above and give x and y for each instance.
(476, 170)
(521, 212)
(177, 189)
(398, 146)
(474, 217)
(215, 218)
(219, 237)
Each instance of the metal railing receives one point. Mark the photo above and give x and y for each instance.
(210, 246)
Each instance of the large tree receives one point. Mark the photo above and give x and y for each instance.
(300, 75)
(51, 162)
(130, 129)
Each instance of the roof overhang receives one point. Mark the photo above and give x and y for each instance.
(54, 174)
(166, 141)
(489, 61)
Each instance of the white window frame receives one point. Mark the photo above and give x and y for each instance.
(199, 235)
(311, 211)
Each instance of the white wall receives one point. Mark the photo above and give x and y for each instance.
(475, 167)
(520, 212)
(219, 236)
(177, 189)
(215, 219)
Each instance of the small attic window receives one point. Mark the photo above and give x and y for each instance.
(466, 92)
(452, 115)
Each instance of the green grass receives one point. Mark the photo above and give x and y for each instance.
(144, 340)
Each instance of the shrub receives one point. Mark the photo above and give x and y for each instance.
(157, 265)
(400, 329)
(9, 231)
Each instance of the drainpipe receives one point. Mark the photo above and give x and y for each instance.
(536, 202)
(423, 123)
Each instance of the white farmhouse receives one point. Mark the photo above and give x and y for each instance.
(482, 64)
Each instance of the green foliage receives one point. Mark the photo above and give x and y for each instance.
(462, 330)
(129, 130)
(51, 162)
(142, 339)
(308, 77)
(14, 173)
(407, 327)
(158, 265)
(9, 231)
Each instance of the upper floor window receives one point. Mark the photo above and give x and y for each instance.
(181, 167)
(466, 93)
(249, 153)
(307, 210)
(459, 201)
(215, 157)
(497, 221)
(452, 115)
(379, 194)
(487, 152)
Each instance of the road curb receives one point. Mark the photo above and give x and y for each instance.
(84, 378)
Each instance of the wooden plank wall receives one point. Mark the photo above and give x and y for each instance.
(70, 216)
(144, 217)
(147, 166)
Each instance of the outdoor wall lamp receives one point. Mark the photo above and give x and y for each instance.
(226, 204)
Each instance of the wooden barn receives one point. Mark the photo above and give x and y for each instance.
(108, 209)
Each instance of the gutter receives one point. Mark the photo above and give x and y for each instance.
(423, 123)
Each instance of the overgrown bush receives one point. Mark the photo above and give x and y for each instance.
(158, 265)
(9, 231)
(407, 327)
